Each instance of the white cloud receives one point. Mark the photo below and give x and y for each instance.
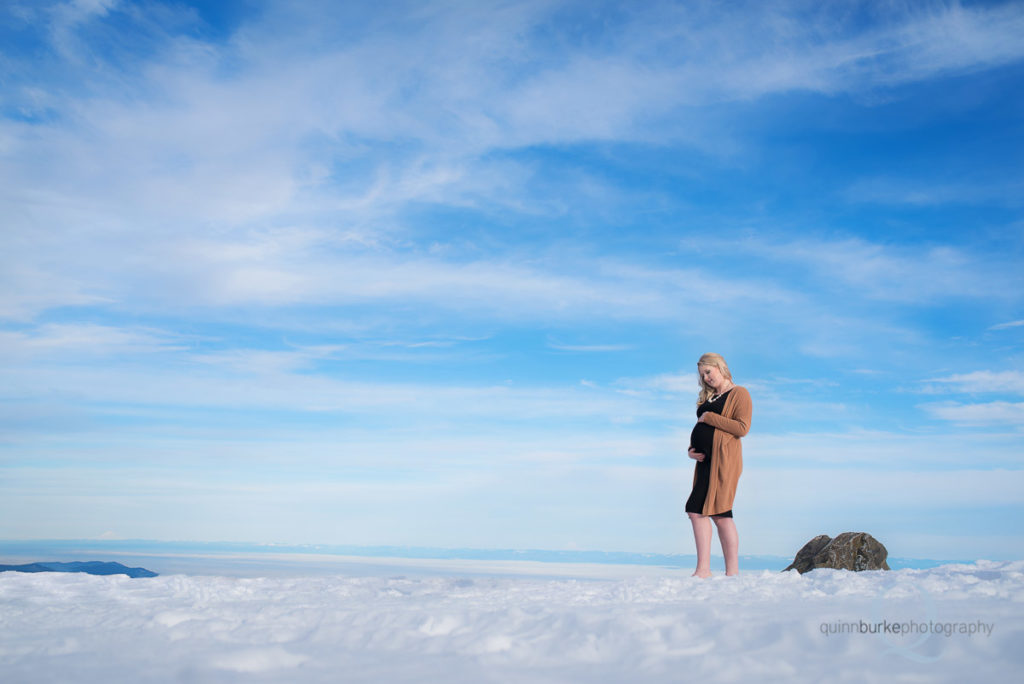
(297, 133)
(28, 289)
(271, 380)
(588, 348)
(669, 383)
(879, 450)
(263, 362)
(1007, 325)
(991, 413)
(890, 190)
(983, 382)
(308, 266)
(894, 491)
(73, 341)
(880, 271)
(67, 17)
(465, 81)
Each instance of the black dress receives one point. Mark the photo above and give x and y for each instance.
(702, 441)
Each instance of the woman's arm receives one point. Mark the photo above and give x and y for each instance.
(737, 423)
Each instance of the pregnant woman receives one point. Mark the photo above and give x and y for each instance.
(723, 416)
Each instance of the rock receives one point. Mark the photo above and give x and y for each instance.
(804, 560)
(849, 551)
(853, 551)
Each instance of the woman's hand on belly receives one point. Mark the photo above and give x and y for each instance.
(695, 455)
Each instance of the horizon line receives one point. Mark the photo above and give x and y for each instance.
(421, 551)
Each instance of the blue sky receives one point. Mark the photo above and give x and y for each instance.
(438, 274)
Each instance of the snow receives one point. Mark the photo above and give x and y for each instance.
(474, 625)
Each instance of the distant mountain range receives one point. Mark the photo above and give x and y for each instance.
(89, 567)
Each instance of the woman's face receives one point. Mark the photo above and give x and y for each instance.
(712, 377)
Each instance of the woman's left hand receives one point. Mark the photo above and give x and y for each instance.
(701, 419)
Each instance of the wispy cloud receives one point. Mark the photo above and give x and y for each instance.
(881, 271)
(991, 413)
(451, 100)
(588, 348)
(314, 267)
(875, 450)
(85, 340)
(273, 381)
(270, 142)
(916, 192)
(667, 383)
(983, 382)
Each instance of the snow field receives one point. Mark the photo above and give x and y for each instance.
(764, 626)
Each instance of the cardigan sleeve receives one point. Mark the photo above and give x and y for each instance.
(738, 423)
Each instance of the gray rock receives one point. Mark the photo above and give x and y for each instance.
(804, 560)
(849, 551)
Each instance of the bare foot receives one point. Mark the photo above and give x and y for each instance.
(701, 573)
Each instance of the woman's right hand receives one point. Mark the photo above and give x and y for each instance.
(695, 455)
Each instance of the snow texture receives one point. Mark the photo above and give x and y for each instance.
(761, 626)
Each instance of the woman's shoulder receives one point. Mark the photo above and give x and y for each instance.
(740, 392)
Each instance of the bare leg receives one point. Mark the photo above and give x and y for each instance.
(730, 539)
(702, 536)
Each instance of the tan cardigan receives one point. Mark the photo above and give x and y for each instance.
(727, 453)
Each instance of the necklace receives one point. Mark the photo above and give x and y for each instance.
(716, 396)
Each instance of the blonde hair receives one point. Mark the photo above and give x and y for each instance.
(710, 359)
